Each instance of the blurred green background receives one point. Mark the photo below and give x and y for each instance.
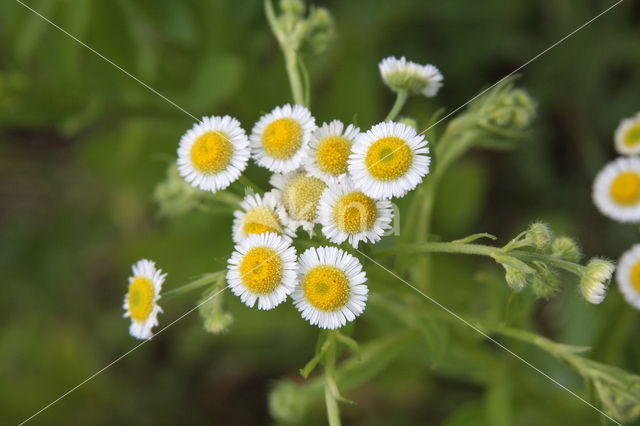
(82, 147)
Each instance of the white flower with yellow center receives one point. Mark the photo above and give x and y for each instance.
(346, 213)
(329, 150)
(141, 300)
(628, 275)
(263, 269)
(257, 215)
(616, 190)
(280, 139)
(331, 289)
(627, 136)
(213, 153)
(400, 74)
(389, 160)
(298, 194)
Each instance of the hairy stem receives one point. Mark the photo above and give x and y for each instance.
(333, 411)
(401, 99)
(293, 72)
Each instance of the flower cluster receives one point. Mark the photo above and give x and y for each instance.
(616, 193)
(333, 177)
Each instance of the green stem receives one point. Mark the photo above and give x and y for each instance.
(401, 99)
(440, 247)
(193, 285)
(293, 72)
(559, 263)
(333, 411)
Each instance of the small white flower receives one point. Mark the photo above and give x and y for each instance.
(345, 213)
(280, 139)
(595, 280)
(331, 289)
(616, 190)
(628, 275)
(329, 150)
(258, 214)
(213, 153)
(389, 160)
(141, 300)
(298, 194)
(400, 74)
(262, 269)
(627, 136)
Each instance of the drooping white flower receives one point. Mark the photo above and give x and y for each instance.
(401, 74)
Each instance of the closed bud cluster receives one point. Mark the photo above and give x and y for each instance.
(514, 110)
(175, 196)
(566, 248)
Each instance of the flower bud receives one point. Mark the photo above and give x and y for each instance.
(540, 235)
(174, 196)
(514, 109)
(566, 248)
(287, 404)
(216, 319)
(545, 284)
(293, 7)
(595, 279)
(515, 278)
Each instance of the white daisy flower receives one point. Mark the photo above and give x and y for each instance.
(400, 74)
(331, 289)
(213, 153)
(345, 213)
(329, 148)
(595, 280)
(298, 194)
(262, 269)
(616, 190)
(627, 136)
(279, 140)
(141, 300)
(389, 160)
(258, 214)
(628, 275)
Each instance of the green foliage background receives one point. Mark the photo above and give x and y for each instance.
(82, 147)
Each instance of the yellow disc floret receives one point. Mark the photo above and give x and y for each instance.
(260, 220)
(211, 152)
(632, 136)
(355, 212)
(625, 189)
(326, 287)
(332, 154)
(140, 298)
(301, 195)
(389, 158)
(635, 277)
(261, 270)
(282, 138)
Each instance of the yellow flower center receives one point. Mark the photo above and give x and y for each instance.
(355, 212)
(140, 298)
(635, 277)
(632, 137)
(389, 158)
(301, 195)
(332, 154)
(260, 220)
(326, 287)
(211, 152)
(625, 189)
(282, 138)
(261, 270)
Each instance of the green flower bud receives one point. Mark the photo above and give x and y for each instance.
(216, 319)
(566, 248)
(545, 284)
(515, 278)
(293, 7)
(595, 279)
(540, 235)
(411, 122)
(513, 109)
(287, 403)
(174, 196)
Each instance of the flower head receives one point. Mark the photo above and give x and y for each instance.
(331, 289)
(141, 300)
(628, 275)
(627, 136)
(595, 279)
(258, 214)
(566, 248)
(298, 194)
(400, 74)
(329, 150)
(346, 213)
(279, 140)
(262, 269)
(213, 153)
(616, 190)
(389, 160)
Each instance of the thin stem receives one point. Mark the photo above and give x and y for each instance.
(293, 72)
(333, 411)
(401, 99)
(193, 285)
(559, 263)
(440, 247)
